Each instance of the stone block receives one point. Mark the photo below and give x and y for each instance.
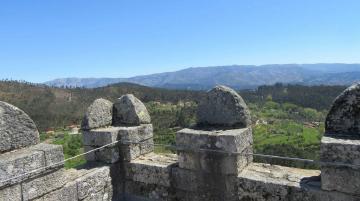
(142, 191)
(136, 141)
(101, 136)
(224, 152)
(12, 193)
(340, 179)
(151, 169)
(15, 163)
(53, 153)
(215, 162)
(130, 151)
(66, 193)
(337, 177)
(340, 150)
(203, 186)
(235, 140)
(184, 180)
(108, 154)
(147, 146)
(133, 142)
(43, 184)
(135, 134)
(128, 110)
(93, 182)
(133, 151)
(99, 114)
(271, 182)
(188, 196)
(17, 129)
(342, 118)
(223, 106)
(102, 195)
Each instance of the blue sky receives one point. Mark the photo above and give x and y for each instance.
(42, 40)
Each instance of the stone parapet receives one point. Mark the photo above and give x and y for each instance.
(152, 169)
(19, 162)
(213, 162)
(42, 185)
(260, 182)
(222, 152)
(128, 143)
(96, 138)
(100, 136)
(136, 141)
(82, 184)
(340, 178)
(340, 146)
(17, 129)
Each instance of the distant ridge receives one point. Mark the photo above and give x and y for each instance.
(236, 76)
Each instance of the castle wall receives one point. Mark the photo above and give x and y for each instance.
(213, 161)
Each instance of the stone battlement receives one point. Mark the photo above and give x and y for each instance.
(214, 160)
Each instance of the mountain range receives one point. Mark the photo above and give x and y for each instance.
(236, 76)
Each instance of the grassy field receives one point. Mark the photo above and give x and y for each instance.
(72, 146)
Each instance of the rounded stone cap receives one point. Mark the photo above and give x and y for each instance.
(222, 106)
(99, 114)
(17, 129)
(128, 110)
(343, 119)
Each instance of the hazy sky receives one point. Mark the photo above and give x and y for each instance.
(42, 40)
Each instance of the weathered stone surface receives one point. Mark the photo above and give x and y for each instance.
(340, 151)
(101, 136)
(147, 146)
(53, 153)
(343, 117)
(262, 182)
(215, 162)
(136, 141)
(103, 195)
(234, 140)
(66, 193)
(99, 114)
(43, 184)
(145, 192)
(128, 110)
(12, 193)
(221, 152)
(222, 106)
(129, 152)
(277, 174)
(151, 169)
(136, 133)
(108, 154)
(340, 178)
(17, 129)
(19, 162)
(203, 186)
(93, 182)
(184, 180)
(189, 196)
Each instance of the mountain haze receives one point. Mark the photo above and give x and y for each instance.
(236, 76)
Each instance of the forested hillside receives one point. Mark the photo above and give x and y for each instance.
(317, 97)
(287, 119)
(58, 107)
